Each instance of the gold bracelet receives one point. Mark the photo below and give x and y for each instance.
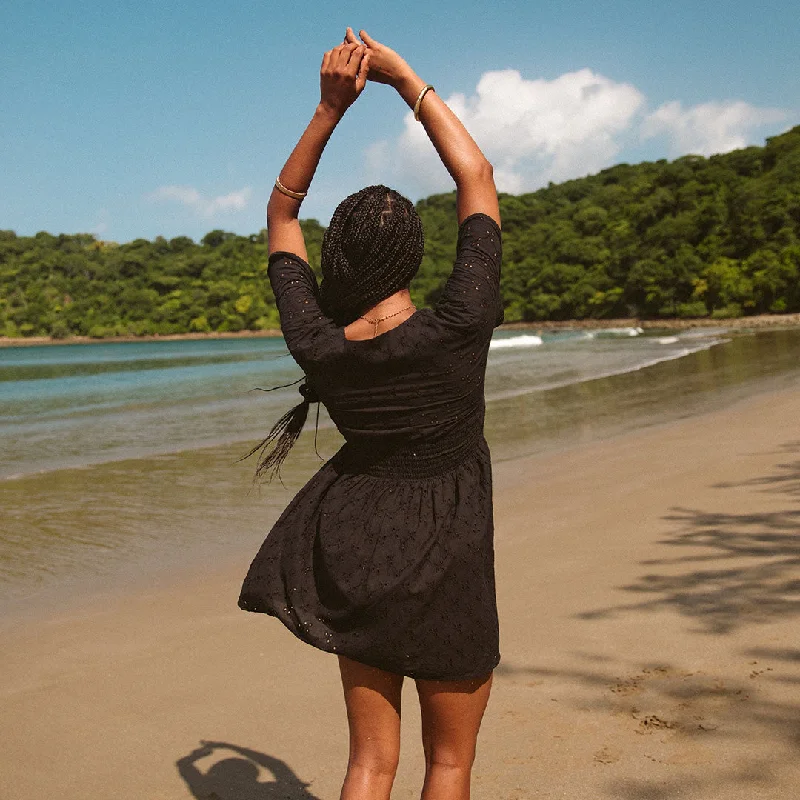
(425, 89)
(288, 192)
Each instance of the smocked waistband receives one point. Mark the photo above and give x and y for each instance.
(424, 458)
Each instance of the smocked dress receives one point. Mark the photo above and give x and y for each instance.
(386, 555)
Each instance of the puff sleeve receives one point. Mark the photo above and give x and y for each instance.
(471, 296)
(309, 334)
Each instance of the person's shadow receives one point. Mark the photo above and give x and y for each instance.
(238, 777)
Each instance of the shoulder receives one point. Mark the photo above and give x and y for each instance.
(479, 224)
(283, 260)
(482, 234)
(471, 299)
(291, 277)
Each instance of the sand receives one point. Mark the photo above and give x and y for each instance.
(649, 591)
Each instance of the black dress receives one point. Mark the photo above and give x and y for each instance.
(386, 555)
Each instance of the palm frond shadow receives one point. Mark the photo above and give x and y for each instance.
(785, 481)
(746, 566)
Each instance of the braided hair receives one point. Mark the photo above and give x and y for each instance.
(371, 249)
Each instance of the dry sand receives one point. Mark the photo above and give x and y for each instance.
(649, 589)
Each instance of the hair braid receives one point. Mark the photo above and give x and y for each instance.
(372, 248)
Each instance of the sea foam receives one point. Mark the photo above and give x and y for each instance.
(526, 340)
(618, 332)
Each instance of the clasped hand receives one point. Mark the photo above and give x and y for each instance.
(346, 69)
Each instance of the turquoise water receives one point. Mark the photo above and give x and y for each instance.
(75, 405)
(119, 461)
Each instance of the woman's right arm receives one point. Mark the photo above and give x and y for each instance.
(461, 156)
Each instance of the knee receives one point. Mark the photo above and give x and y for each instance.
(447, 759)
(373, 762)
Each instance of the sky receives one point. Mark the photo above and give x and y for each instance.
(142, 119)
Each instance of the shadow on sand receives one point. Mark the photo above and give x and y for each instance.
(238, 775)
(728, 571)
(744, 568)
(683, 721)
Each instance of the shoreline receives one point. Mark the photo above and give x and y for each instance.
(760, 321)
(741, 323)
(648, 639)
(28, 341)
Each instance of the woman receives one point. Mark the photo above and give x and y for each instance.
(386, 556)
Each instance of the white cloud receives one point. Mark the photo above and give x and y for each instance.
(533, 131)
(536, 131)
(206, 207)
(101, 226)
(233, 201)
(709, 127)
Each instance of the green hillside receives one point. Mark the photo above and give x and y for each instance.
(694, 237)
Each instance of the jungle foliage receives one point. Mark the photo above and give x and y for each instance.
(694, 237)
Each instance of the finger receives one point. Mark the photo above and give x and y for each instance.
(363, 72)
(349, 55)
(349, 36)
(356, 57)
(335, 57)
(326, 61)
(340, 55)
(367, 39)
(355, 60)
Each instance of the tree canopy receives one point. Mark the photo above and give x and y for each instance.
(694, 237)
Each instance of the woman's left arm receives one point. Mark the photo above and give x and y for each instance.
(343, 76)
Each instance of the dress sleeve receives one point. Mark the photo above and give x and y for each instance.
(307, 331)
(471, 297)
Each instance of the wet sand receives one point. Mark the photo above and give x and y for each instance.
(649, 591)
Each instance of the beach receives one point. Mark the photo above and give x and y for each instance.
(649, 594)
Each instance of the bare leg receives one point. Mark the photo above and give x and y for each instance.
(372, 697)
(451, 717)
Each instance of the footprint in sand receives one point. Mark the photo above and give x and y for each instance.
(607, 755)
(674, 701)
(653, 722)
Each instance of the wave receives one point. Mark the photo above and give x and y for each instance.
(600, 332)
(704, 333)
(526, 340)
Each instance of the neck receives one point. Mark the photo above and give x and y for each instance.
(383, 316)
(393, 302)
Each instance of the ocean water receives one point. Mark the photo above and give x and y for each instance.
(65, 406)
(119, 460)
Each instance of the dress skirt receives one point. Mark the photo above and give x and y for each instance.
(392, 571)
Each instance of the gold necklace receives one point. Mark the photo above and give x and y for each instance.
(382, 319)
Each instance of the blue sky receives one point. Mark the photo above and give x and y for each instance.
(138, 119)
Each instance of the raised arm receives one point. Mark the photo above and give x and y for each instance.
(342, 78)
(461, 156)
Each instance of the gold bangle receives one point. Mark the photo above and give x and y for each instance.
(288, 192)
(425, 89)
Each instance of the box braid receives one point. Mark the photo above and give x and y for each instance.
(372, 248)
